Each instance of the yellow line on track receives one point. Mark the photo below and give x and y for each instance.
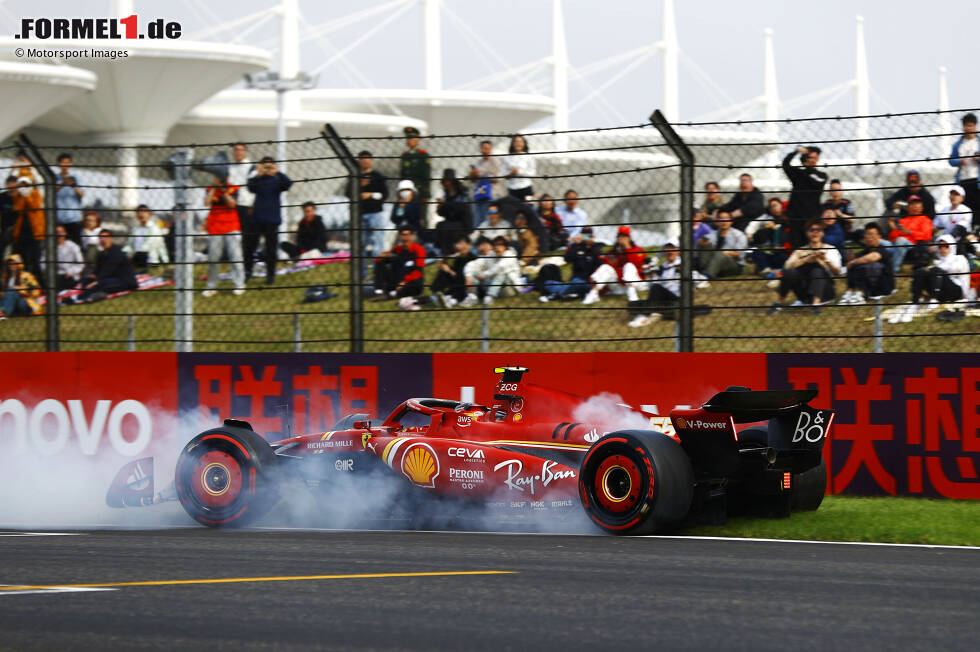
(233, 580)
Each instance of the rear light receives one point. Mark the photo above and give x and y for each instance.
(787, 480)
(731, 420)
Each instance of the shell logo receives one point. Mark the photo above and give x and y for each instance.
(420, 465)
(681, 422)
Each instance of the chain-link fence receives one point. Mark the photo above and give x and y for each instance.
(545, 293)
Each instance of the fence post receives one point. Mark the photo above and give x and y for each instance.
(52, 337)
(356, 250)
(879, 331)
(297, 334)
(685, 317)
(484, 330)
(179, 166)
(130, 333)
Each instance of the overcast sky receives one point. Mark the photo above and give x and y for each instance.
(814, 44)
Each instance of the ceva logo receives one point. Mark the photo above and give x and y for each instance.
(50, 424)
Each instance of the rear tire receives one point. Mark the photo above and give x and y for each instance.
(636, 482)
(809, 488)
(226, 477)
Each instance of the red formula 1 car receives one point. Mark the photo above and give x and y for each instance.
(523, 451)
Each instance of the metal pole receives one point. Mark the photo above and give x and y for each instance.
(685, 313)
(187, 305)
(281, 129)
(879, 330)
(484, 330)
(354, 229)
(297, 335)
(130, 333)
(52, 338)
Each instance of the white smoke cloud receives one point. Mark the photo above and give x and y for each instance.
(609, 410)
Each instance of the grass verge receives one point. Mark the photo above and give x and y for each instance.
(881, 520)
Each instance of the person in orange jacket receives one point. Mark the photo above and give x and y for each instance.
(28, 231)
(911, 230)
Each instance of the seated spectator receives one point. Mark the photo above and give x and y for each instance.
(311, 234)
(91, 226)
(224, 236)
(145, 244)
(449, 285)
(28, 231)
(494, 269)
(723, 252)
(454, 207)
(573, 217)
(398, 271)
(113, 272)
(583, 255)
(495, 225)
(712, 202)
(554, 235)
(665, 289)
(809, 271)
(622, 266)
(833, 231)
(745, 205)
(843, 209)
(954, 218)
(527, 242)
(945, 281)
(898, 202)
(407, 210)
(910, 234)
(870, 273)
(70, 261)
(770, 238)
(20, 290)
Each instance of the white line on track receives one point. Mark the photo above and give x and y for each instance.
(53, 589)
(41, 534)
(826, 543)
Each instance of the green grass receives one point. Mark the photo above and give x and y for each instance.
(883, 520)
(263, 320)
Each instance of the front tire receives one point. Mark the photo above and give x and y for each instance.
(636, 482)
(226, 477)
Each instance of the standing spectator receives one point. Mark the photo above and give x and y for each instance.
(374, 191)
(70, 261)
(28, 231)
(487, 173)
(843, 208)
(449, 284)
(68, 200)
(554, 234)
(240, 170)
(20, 290)
(909, 234)
(8, 216)
(808, 183)
(495, 225)
(945, 281)
(712, 202)
(311, 234)
(723, 252)
(955, 217)
(665, 289)
(407, 211)
(23, 170)
(493, 270)
(833, 231)
(224, 236)
(113, 272)
(582, 254)
(454, 208)
(416, 165)
(146, 244)
(898, 202)
(573, 217)
(267, 186)
(623, 265)
(398, 271)
(520, 168)
(809, 272)
(746, 204)
(870, 273)
(965, 157)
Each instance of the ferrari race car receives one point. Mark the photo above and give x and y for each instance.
(522, 451)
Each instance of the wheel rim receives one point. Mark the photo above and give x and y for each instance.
(617, 484)
(217, 479)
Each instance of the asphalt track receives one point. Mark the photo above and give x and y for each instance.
(559, 592)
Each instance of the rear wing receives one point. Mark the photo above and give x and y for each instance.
(747, 406)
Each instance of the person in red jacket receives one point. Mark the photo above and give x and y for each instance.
(224, 236)
(623, 265)
(910, 234)
(398, 271)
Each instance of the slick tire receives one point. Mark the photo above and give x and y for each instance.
(809, 488)
(226, 477)
(636, 482)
